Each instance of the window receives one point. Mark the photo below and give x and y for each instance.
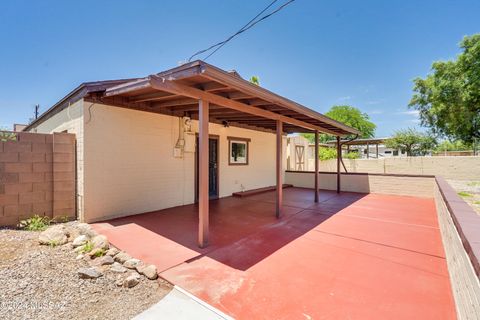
(238, 151)
(388, 151)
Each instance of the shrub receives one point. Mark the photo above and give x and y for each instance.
(87, 247)
(100, 253)
(35, 223)
(352, 155)
(327, 153)
(7, 136)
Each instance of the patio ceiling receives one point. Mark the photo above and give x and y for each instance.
(232, 100)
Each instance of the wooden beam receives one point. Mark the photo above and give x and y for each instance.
(279, 162)
(240, 84)
(180, 89)
(156, 96)
(212, 86)
(175, 102)
(239, 95)
(339, 157)
(203, 194)
(258, 102)
(316, 166)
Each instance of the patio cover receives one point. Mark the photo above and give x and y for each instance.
(211, 95)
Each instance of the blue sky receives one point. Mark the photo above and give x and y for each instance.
(318, 53)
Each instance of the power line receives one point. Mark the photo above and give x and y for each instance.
(221, 43)
(246, 27)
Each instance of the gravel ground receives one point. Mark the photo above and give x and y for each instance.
(41, 282)
(470, 187)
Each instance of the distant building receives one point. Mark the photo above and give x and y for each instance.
(18, 127)
(371, 148)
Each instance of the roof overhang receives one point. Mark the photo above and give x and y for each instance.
(76, 94)
(232, 99)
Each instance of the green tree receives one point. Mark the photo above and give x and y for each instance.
(448, 99)
(456, 145)
(255, 80)
(350, 116)
(412, 142)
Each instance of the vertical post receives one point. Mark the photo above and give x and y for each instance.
(279, 193)
(316, 165)
(376, 147)
(339, 157)
(368, 150)
(203, 213)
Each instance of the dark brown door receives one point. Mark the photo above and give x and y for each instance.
(212, 169)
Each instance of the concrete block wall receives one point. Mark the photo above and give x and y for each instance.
(463, 278)
(420, 186)
(130, 167)
(37, 176)
(460, 168)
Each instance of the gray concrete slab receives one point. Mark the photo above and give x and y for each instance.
(181, 305)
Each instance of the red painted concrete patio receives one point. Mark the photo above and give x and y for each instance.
(351, 256)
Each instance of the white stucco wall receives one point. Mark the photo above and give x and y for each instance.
(130, 167)
(70, 119)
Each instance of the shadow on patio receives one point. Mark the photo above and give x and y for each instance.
(243, 231)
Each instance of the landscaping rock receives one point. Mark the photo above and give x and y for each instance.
(131, 281)
(89, 273)
(79, 257)
(72, 233)
(112, 252)
(102, 261)
(139, 267)
(54, 235)
(132, 263)
(117, 267)
(79, 241)
(86, 229)
(121, 257)
(100, 242)
(149, 271)
(44, 283)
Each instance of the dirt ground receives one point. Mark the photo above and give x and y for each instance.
(41, 282)
(469, 190)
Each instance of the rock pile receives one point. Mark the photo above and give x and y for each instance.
(102, 257)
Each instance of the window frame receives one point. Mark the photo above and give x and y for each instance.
(246, 141)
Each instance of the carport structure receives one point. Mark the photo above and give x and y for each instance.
(210, 95)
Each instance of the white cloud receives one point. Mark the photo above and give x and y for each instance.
(378, 111)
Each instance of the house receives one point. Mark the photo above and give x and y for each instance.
(184, 135)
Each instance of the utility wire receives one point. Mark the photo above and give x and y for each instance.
(221, 43)
(246, 27)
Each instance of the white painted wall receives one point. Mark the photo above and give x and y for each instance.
(130, 168)
(70, 119)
